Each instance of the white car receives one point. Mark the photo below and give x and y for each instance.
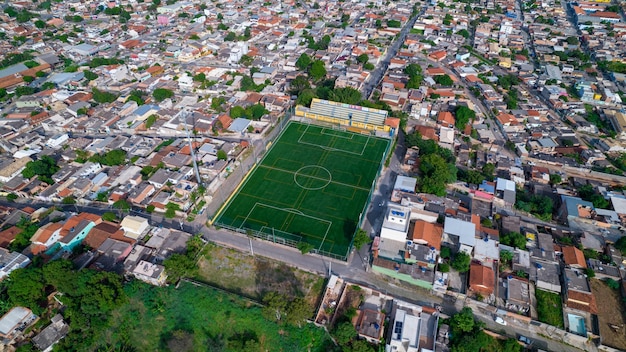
(500, 321)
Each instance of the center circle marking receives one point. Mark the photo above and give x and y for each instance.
(306, 171)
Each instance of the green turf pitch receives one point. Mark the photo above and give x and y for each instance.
(312, 186)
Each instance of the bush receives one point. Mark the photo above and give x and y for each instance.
(304, 247)
(444, 267)
(461, 262)
(612, 284)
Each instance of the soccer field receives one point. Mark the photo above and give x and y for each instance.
(311, 186)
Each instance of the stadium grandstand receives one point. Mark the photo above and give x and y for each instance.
(352, 116)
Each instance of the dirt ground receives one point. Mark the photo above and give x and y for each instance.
(250, 276)
(610, 303)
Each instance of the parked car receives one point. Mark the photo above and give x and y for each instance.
(500, 321)
(525, 340)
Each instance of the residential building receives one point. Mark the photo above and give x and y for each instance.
(51, 334)
(14, 322)
(153, 274)
(10, 261)
(134, 227)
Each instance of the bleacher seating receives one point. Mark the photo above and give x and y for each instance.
(343, 111)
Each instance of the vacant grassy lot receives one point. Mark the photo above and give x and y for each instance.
(610, 315)
(549, 308)
(193, 318)
(252, 277)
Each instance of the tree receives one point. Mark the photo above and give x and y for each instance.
(555, 179)
(464, 33)
(113, 157)
(43, 168)
(513, 239)
(461, 262)
(231, 36)
(511, 345)
(178, 266)
(122, 205)
(394, 24)
(11, 197)
(612, 283)
(26, 288)
(102, 96)
(298, 84)
(436, 173)
(200, 77)
(463, 115)
(621, 244)
(68, 200)
(150, 208)
(170, 210)
(221, 155)
(362, 59)
(360, 239)
(305, 247)
(346, 95)
(488, 171)
(90, 76)
(298, 311)
(256, 111)
(317, 70)
(275, 306)
(24, 90)
(305, 97)
(443, 80)
(463, 321)
(108, 216)
(589, 272)
(303, 62)
(237, 111)
(344, 333)
(161, 94)
(506, 256)
(151, 120)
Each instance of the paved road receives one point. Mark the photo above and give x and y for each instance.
(377, 75)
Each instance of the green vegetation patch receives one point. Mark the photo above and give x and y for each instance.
(195, 318)
(311, 187)
(549, 308)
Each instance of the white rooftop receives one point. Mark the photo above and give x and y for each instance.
(465, 230)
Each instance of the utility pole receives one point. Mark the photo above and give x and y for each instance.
(184, 114)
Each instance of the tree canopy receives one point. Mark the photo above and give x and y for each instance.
(43, 168)
(102, 96)
(303, 62)
(437, 165)
(347, 95)
(317, 70)
(513, 239)
(463, 115)
(111, 158)
(161, 94)
(461, 262)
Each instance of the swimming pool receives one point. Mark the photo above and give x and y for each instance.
(577, 324)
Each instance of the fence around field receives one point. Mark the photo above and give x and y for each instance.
(230, 183)
(373, 187)
(270, 234)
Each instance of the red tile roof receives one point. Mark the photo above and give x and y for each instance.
(428, 232)
(482, 279)
(574, 257)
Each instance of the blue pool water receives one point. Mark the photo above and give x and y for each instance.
(577, 324)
